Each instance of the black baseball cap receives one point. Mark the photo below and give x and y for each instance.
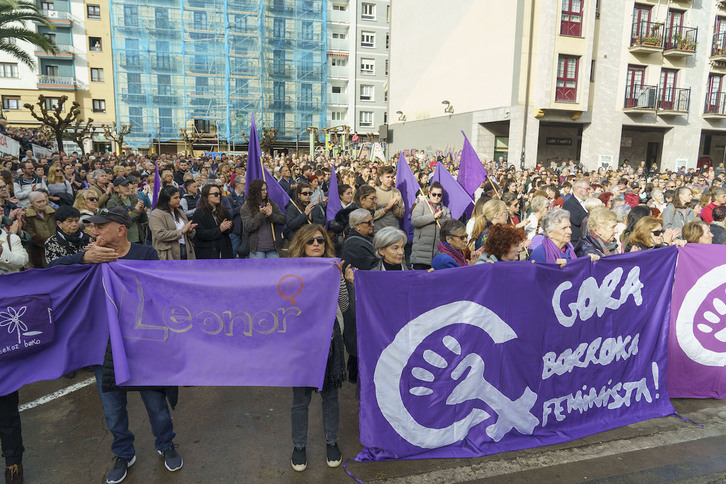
(113, 214)
(122, 180)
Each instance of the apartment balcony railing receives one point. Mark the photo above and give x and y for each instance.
(309, 105)
(338, 99)
(646, 37)
(130, 61)
(281, 71)
(338, 72)
(674, 100)
(338, 16)
(63, 51)
(718, 47)
(680, 41)
(57, 82)
(58, 18)
(715, 105)
(640, 98)
(309, 73)
(338, 45)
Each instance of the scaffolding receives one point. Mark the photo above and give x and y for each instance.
(213, 62)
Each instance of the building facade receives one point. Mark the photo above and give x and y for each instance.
(80, 69)
(555, 80)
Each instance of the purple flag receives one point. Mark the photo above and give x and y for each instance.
(231, 322)
(334, 204)
(471, 172)
(157, 185)
(255, 170)
(51, 323)
(697, 343)
(455, 197)
(483, 364)
(408, 185)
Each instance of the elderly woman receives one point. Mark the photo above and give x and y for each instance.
(426, 217)
(590, 204)
(494, 212)
(13, 255)
(312, 241)
(556, 247)
(648, 233)
(358, 248)
(450, 251)
(678, 213)
(657, 200)
(600, 239)
(389, 245)
(68, 239)
(40, 224)
(697, 232)
(505, 243)
(538, 207)
(171, 232)
(300, 210)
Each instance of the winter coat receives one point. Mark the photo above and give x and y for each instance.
(137, 231)
(426, 231)
(165, 236)
(252, 224)
(358, 252)
(60, 245)
(295, 218)
(209, 241)
(14, 256)
(40, 229)
(719, 233)
(590, 245)
(676, 218)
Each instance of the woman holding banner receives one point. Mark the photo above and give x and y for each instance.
(648, 233)
(697, 232)
(600, 239)
(426, 217)
(505, 243)
(312, 241)
(389, 245)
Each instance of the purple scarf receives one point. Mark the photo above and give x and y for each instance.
(552, 252)
(445, 248)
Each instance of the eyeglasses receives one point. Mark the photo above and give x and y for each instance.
(306, 193)
(460, 237)
(319, 240)
(369, 222)
(437, 195)
(214, 194)
(657, 233)
(92, 199)
(3, 187)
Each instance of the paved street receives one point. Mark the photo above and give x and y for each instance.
(230, 435)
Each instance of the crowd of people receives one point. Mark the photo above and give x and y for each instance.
(71, 209)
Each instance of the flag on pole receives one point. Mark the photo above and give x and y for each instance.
(255, 170)
(455, 197)
(334, 204)
(157, 185)
(471, 171)
(407, 184)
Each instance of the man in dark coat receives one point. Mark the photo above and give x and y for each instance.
(717, 226)
(233, 203)
(576, 206)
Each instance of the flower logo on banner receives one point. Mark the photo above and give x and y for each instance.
(10, 319)
(460, 388)
(700, 327)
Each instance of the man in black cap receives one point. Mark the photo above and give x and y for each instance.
(125, 197)
(110, 232)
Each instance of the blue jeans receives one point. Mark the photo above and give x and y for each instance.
(235, 238)
(117, 418)
(270, 254)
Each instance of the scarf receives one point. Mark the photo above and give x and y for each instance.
(552, 252)
(75, 240)
(455, 254)
(608, 249)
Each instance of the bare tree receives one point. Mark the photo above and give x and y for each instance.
(189, 138)
(116, 133)
(81, 131)
(55, 118)
(269, 136)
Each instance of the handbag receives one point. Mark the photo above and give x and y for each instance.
(243, 249)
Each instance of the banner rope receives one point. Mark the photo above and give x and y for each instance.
(345, 468)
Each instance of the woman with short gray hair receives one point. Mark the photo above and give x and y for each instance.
(389, 245)
(556, 247)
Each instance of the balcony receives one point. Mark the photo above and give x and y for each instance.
(59, 19)
(639, 99)
(130, 61)
(282, 71)
(309, 73)
(338, 16)
(338, 45)
(338, 72)
(680, 41)
(715, 106)
(309, 105)
(63, 51)
(646, 38)
(338, 99)
(59, 83)
(674, 101)
(718, 47)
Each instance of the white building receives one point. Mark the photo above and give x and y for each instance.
(358, 41)
(554, 80)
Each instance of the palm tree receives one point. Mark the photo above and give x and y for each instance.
(13, 17)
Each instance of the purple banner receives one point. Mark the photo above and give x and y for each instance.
(506, 356)
(227, 322)
(28, 321)
(697, 342)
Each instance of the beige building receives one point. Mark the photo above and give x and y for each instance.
(554, 80)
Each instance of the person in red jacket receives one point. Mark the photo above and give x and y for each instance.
(718, 198)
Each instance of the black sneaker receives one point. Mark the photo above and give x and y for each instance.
(172, 459)
(334, 455)
(118, 471)
(299, 460)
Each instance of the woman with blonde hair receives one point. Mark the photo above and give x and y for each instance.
(649, 233)
(538, 207)
(493, 212)
(697, 232)
(60, 190)
(600, 239)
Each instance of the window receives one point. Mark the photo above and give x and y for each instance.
(385, 96)
(51, 102)
(634, 87)
(9, 40)
(339, 61)
(51, 71)
(96, 74)
(641, 23)
(366, 119)
(94, 44)
(161, 18)
(571, 21)
(278, 27)
(200, 20)
(201, 84)
(136, 118)
(134, 82)
(367, 66)
(47, 6)
(337, 90)
(99, 105)
(307, 30)
(385, 118)
(567, 67)
(714, 97)
(93, 11)
(278, 121)
(131, 16)
(668, 80)
(367, 39)
(340, 8)
(368, 11)
(337, 115)
(11, 103)
(239, 22)
(339, 35)
(366, 93)
(388, 40)
(50, 37)
(164, 87)
(386, 66)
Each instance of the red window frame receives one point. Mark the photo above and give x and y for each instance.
(719, 43)
(668, 83)
(641, 22)
(565, 91)
(714, 94)
(631, 97)
(571, 20)
(675, 26)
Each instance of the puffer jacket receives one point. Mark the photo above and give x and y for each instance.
(426, 231)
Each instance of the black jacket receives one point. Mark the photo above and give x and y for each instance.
(577, 215)
(233, 203)
(294, 218)
(589, 245)
(210, 242)
(719, 234)
(358, 251)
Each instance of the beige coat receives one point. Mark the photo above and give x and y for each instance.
(165, 236)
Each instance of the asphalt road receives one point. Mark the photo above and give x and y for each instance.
(242, 435)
